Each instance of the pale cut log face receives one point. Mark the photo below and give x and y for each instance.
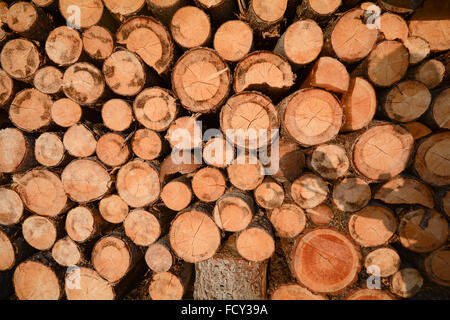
(111, 258)
(190, 27)
(166, 286)
(64, 46)
(269, 11)
(21, 16)
(6, 87)
(436, 266)
(233, 40)
(98, 42)
(369, 294)
(11, 207)
(91, 286)
(295, 292)
(124, 7)
(14, 149)
(90, 11)
(7, 254)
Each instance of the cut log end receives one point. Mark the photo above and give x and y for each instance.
(113, 209)
(98, 42)
(208, 184)
(330, 74)
(142, 227)
(386, 260)
(90, 12)
(16, 147)
(309, 190)
(330, 161)
(79, 141)
(48, 80)
(39, 232)
(147, 144)
(269, 194)
(190, 27)
(11, 207)
(218, 152)
(417, 129)
(6, 88)
(289, 220)
(233, 40)
(393, 27)
(233, 211)
(65, 112)
(418, 49)
(184, 133)
(351, 194)
(406, 283)
(80, 224)
(7, 252)
(21, 16)
(369, 294)
(436, 266)
(30, 110)
(246, 173)
(430, 72)
(321, 215)
(87, 284)
(165, 286)
(112, 150)
(111, 258)
(255, 244)
(117, 115)
(64, 46)
(49, 149)
(268, 12)
(124, 8)
(177, 194)
(158, 258)
(441, 109)
(20, 59)
(66, 252)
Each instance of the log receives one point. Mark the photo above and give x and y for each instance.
(431, 162)
(406, 283)
(17, 151)
(288, 220)
(329, 74)
(423, 230)
(79, 141)
(407, 101)
(164, 10)
(30, 110)
(301, 43)
(122, 8)
(155, 108)
(218, 152)
(90, 12)
(439, 113)
(171, 285)
(369, 294)
(49, 149)
(65, 112)
(40, 232)
(190, 27)
(209, 184)
(385, 259)
(98, 42)
(246, 172)
(91, 285)
(393, 27)
(228, 276)
(233, 211)
(233, 40)
(372, 226)
(28, 20)
(382, 152)
(159, 257)
(194, 236)
(48, 80)
(147, 144)
(20, 59)
(321, 215)
(269, 194)
(85, 180)
(400, 6)
(43, 3)
(403, 190)
(185, 133)
(317, 10)
(351, 194)
(308, 190)
(177, 194)
(84, 223)
(13, 249)
(218, 10)
(66, 252)
(430, 72)
(445, 203)
(64, 46)
(112, 150)
(291, 161)
(417, 129)
(6, 88)
(418, 49)
(113, 209)
(310, 116)
(117, 115)
(436, 266)
(142, 227)
(330, 161)
(201, 80)
(11, 207)
(265, 16)
(191, 161)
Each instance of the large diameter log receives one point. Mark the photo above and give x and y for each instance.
(65, 112)
(20, 59)
(64, 46)
(11, 207)
(98, 42)
(90, 12)
(28, 21)
(190, 27)
(385, 259)
(201, 80)
(233, 211)
(16, 153)
(30, 110)
(436, 266)
(229, 276)
(117, 115)
(233, 40)
(330, 74)
(311, 116)
(86, 284)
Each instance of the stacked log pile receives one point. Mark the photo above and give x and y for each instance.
(112, 187)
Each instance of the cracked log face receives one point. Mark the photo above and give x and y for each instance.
(98, 42)
(386, 259)
(64, 46)
(190, 27)
(111, 258)
(90, 11)
(11, 207)
(30, 110)
(112, 150)
(383, 151)
(91, 286)
(20, 59)
(325, 261)
(83, 83)
(209, 184)
(233, 211)
(233, 40)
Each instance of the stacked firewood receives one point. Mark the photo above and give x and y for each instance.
(327, 176)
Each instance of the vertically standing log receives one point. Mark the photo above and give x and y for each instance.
(233, 211)
(98, 42)
(233, 40)
(190, 27)
(16, 153)
(28, 21)
(64, 46)
(20, 59)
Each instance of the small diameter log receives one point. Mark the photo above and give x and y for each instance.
(233, 211)
(219, 10)
(86, 284)
(351, 194)
(155, 108)
(13, 249)
(185, 133)
(350, 38)
(159, 257)
(20, 59)
(382, 151)
(98, 42)
(90, 12)
(49, 149)
(385, 259)
(393, 27)
(439, 113)
(194, 236)
(124, 8)
(265, 16)
(372, 226)
(43, 3)
(30, 110)
(117, 115)
(321, 215)
(310, 116)
(177, 194)
(431, 73)
(403, 190)
(246, 172)
(11, 207)
(429, 18)
(113, 209)
(147, 144)
(112, 149)
(249, 120)
(309, 190)
(84, 223)
(400, 6)
(233, 40)
(16, 153)
(6, 88)
(7, 252)
(256, 242)
(330, 161)
(445, 203)
(301, 43)
(436, 266)
(431, 162)
(317, 10)
(417, 129)
(291, 161)
(190, 27)
(369, 294)
(42, 192)
(28, 21)
(288, 221)
(423, 230)
(83, 83)
(64, 46)
(325, 251)
(37, 279)
(406, 283)
(142, 227)
(48, 80)
(218, 152)
(407, 101)
(65, 112)
(40, 232)
(418, 49)
(263, 71)
(269, 194)
(164, 10)
(79, 141)
(191, 161)
(149, 39)
(229, 276)
(171, 285)
(201, 80)
(208, 184)
(330, 74)
(113, 256)
(66, 252)
(85, 180)
(138, 183)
